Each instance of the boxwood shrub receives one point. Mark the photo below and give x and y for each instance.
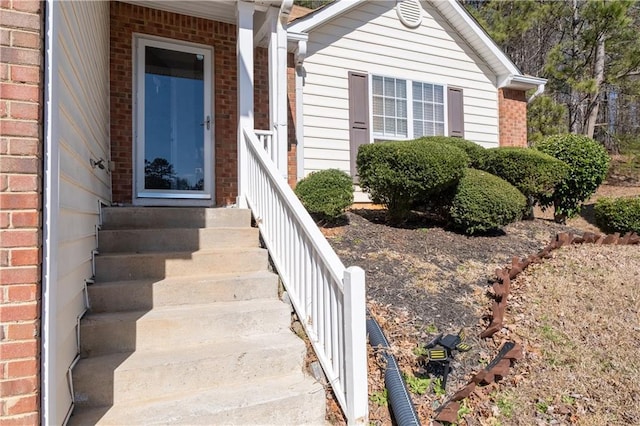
(588, 164)
(484, 202)
(533, 172)
(326, 193)
(401, 174)
(476, 153)
(618, 214)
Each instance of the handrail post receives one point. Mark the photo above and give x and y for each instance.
(355, 346)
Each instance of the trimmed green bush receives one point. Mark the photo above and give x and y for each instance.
(476, 153)
(326, 193)
(618, 214)
(588, 164)
(534, 173)
(484, 202)
(399, 175)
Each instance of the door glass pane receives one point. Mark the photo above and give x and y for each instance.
(173, 117)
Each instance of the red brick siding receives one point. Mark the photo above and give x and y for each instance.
(261, 109)
(512, 106)
(21, 142)
(292, 157)
(261, 89)
(127, 19)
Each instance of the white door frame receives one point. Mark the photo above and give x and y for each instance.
(169, 197)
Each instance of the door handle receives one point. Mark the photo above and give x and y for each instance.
(207, 122)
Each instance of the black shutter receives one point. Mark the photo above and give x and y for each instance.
(358, 115)
(456, 112)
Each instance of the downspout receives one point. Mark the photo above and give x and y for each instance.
(537, 93)
(299, 56)
(282, 102)
(50, 202)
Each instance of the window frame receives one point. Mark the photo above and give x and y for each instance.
(375, 137)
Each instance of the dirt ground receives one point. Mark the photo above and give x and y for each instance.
(423, 280)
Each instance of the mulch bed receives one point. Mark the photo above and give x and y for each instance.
(423, 280)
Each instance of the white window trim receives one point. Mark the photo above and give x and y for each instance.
(408, 81)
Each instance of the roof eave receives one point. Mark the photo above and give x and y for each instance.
(322, 15)
(521, 82)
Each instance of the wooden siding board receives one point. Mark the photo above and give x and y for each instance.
(356, 41)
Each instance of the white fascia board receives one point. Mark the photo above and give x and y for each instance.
(521, 82)
(481, 41)
(325, 14)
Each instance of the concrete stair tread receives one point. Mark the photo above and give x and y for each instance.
(176, 239)
(182, 312)
(152, 230)
(186, 254)
(161, 264)
(222, 405)
(145, 375)
(173, 217)
(125, 361)
(149, 293)
(201, 278)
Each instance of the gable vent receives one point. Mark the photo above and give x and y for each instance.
(410, 12)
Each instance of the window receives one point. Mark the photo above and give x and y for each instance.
(428, 110)
(402, 109)
(392, 112)
(389, 106)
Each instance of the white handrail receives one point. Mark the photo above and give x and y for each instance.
(265, 138)
(329, 299)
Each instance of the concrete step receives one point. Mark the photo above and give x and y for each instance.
(173, 217)
(118, 296)
(289, 400)
(176, 239)
(180, 326)
(133, 266)
(140, 376)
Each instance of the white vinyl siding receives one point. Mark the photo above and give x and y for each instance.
(81, 100)
(371, 39)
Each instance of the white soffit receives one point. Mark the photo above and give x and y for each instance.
(215, 10)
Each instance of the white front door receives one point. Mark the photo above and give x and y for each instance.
(174, 122)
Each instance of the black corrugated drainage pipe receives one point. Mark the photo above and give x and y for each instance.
(399, 400)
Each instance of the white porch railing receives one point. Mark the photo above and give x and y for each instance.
(329, 299)
(265, 139)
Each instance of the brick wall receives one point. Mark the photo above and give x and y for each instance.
(512, 106)
(21, 95)
(127, 19)
(261, 89)
(261, 108)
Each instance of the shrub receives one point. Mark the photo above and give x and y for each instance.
(484, 202)
(326, 193)
(588, 162)
(475, 152)
(534, 173)
(618, 214)
(402, 174)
